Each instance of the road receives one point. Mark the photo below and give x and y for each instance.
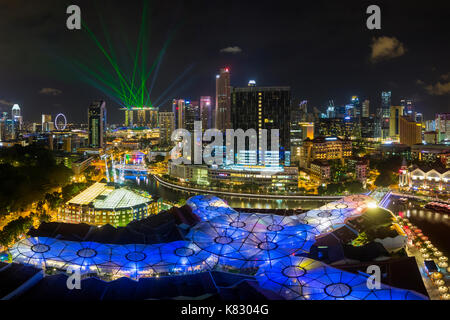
(244, 195)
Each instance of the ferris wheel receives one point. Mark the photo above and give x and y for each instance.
(60, 122)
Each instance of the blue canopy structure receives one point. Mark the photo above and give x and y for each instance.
(302, 278)
(226, 239)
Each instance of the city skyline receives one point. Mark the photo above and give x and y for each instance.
(277, 54)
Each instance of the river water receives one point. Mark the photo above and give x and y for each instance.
(159, 191)
(434, 225)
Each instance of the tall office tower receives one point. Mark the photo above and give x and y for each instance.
(96, 124)
(385, 113)
(47, 123)
(304, 106)
(15, 112)
(331, 110)
(2, 130)
(350, 111)
(16, 119)
(356, 107)
(264, 108)
(223, 102)
(166, 122)
(178, 109)
(430, 125)
(192, 114)
(394, 122)
(299, 132)
(442, 123)
(410, 131)
(418, 117)
(129, 118)
(368, 127)
(366, 109)
(339, 111)
(206, 112)
(408, 106)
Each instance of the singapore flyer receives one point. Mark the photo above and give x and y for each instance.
(60, 122)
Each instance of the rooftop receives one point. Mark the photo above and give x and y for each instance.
(119, 199)
(102, 196)
(88, 195)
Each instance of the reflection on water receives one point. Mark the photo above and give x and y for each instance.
(159, 191)
(429, 216)
(435, 225)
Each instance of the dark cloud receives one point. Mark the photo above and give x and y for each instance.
(386, 48)
(5, 102)
(233, 50)
(50, 91)
(438, 89)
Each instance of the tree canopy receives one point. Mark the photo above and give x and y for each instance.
(26, 175)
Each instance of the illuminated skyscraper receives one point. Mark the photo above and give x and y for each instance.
(16, 118)
(263, 108)
(15, 112)
(366, 109)
(356, 107)
(223, 102)
(394, 122)
(408, 106)
(141, 118)
(442, 123)
(97, 124)
(178, 109)
(192, 114)
(206, 112)
(383, 114)
(410, 131)
(47, 124)
(166, 122)
(129, 118)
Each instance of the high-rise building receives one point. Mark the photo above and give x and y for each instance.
(356, 107)
(385, 113)
(47, 124)
(443, 126)
(368, 128)
(223, 102)
(178, 109)
(366, 109)
(418, 117)
(192, 114)
(141, 118)
(263, 108)
(129, 118)
(300, 131)
(206, 112)
(2, 130)
(408, 106)
(410, 131)
(430, 125)
(166, 122)
(394, 122)
(16, 118)
(97, 124)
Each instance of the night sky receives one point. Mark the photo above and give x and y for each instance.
(322, 49)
